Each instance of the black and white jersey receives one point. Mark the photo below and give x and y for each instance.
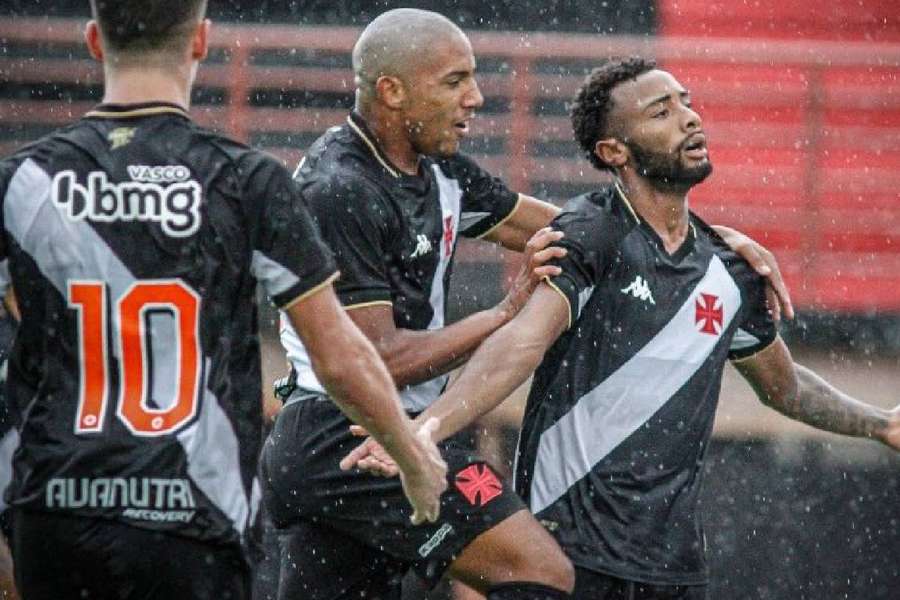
(621, 409)
(393, 234)
(135, 241)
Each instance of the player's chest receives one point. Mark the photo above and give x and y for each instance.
(648, 294)
(426, 235)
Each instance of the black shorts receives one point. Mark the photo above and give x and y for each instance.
(60, 556)
(591, 585)
(357, 523)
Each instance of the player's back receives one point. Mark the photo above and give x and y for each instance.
(131, 238)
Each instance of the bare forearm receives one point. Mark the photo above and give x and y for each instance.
(821, 405)
(416, 356)
(499, 366)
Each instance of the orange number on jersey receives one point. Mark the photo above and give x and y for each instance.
(130, 315)
(88, 297)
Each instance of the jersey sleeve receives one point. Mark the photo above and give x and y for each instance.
(486, 201)
(289, 257)
(757, 330)
(588, 239)
(355, 222)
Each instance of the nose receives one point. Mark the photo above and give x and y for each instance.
(473, 97)
(690, 121)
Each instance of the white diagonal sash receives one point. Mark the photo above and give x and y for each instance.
(607, 415)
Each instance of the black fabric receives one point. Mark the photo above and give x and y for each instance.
(643, 320)
(376, 218)
(303, 485)
(59, 557)
(525, 591)
(134, 199)
(591, 585)
(319, 563)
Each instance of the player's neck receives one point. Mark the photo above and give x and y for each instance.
(665, 211)
(390, 134)
(131, 85)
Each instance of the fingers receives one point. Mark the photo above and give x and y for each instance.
(773, 303)
(541, 239)
(784, 297)
(546, 254)
(429, 513)
(355, 455)
(378, 467)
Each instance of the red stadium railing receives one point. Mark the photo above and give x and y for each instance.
(805, 135)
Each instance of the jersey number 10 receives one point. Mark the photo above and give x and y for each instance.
(130, 316)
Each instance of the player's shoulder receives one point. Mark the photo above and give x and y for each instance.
(337, 171)
(600, 213)
(739, 269)
(41, 151)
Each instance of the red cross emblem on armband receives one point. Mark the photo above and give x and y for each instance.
(708, 315)
(478, 484)
(448, 235)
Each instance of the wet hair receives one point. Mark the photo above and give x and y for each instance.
(593, 102)
(142, 25)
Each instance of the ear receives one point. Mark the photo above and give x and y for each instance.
(391, 91)
(200, 41)
(611, 152)
(93, 40)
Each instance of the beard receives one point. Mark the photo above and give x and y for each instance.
(665, 170)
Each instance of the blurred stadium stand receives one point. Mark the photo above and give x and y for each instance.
(802, 105)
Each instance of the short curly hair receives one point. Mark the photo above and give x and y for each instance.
(592, 103)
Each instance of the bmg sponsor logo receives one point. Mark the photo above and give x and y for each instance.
(161, 194)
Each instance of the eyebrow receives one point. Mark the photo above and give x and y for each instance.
(663, 98)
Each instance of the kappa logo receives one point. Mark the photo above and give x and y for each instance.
(478, 484)
(640, 289)
(423, 246)
(709, 314)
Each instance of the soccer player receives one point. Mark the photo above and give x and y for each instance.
(9, 435)
(391, 194)
(135, 241)
(629, 342)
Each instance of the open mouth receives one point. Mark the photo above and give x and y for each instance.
(462, 126)
(695, 146)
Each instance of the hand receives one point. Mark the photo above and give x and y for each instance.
(369, 456)
(533, 269)
(763, 262)
(423, 488)
(891, 433)
(424, 485)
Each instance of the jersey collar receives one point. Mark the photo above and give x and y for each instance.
(359, 127)
(686, 246)
(140, 109)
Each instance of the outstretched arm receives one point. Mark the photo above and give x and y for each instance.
(800, 394)
(502, 363)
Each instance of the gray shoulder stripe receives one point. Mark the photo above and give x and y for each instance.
(272, 274)
(469, 219)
